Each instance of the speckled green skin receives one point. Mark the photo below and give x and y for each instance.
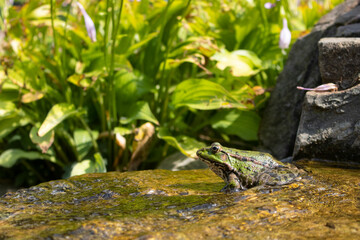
(244, 169)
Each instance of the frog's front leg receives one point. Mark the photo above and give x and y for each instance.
(233, 184)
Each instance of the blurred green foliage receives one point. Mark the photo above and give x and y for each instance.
(161, 76)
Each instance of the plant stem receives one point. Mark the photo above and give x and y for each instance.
(64, 41)
(106, 34)
(111, 93)
(96, 147)
(52, 10)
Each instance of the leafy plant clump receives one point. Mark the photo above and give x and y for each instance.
(95, 86)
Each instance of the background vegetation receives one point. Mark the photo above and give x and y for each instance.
(156, 77)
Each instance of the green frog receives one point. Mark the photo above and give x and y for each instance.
(242, 169)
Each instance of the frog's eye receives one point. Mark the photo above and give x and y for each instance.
(215, 148)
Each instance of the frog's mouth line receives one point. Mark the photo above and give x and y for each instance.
(220, 165)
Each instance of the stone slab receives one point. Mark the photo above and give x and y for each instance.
(352, 30)
(161, 204)
(329, 127)
(339, 61)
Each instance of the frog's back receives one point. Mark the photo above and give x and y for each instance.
(279, 176)
(262, 158)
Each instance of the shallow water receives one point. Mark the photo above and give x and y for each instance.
(161, 204)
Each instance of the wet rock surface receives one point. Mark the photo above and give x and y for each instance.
(161, 204)
(280, 123)
(330, 126)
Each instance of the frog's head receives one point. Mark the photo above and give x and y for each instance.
(214, 155)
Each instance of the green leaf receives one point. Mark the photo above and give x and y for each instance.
(7, 125)
(242, 63)
(100, 163)
(186, 145)
(7, 109)
(11, 156)
(147, 39)
(89, 166)
(244, 124)
(129, 87)
(83, 141)
(203, 94)
(43, 142)
(140, 110)
(56, 115)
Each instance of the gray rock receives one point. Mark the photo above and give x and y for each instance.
(329, 127)
(352, 30)
(281, 118)
(339, 61)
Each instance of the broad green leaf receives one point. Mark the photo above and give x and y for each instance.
(244, 124)
(9, 92)
(203, 94)
(140, 110)
(83, 141)
(242, 63)
(89, 166)
(11, 156)
(100, 163)
(85, 166)
(43, 142)
(7, 125)
(41, 12)
(148, 38)
(129, 88)
(186, 145)
(7, 109)
(56, 115)
(16, 77)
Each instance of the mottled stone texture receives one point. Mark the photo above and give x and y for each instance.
(281, 117)
(166, 205)
(339, 61)
(329, 127)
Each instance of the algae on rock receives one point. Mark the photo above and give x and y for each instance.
(161, 204)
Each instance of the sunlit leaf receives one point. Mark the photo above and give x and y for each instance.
(186, 145)
(244, 124)
(41, 12)
(11, 156)
(8, 125)
(43, 142)
(9, 91)
(203, 94)
(56, 115)
(140, 110)
(89, 166)
(148, 38)
(7, 108)
(123, 130)
(83, 141)
(100, 163)
(31, 97)
(80, 80)
(242, 63)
